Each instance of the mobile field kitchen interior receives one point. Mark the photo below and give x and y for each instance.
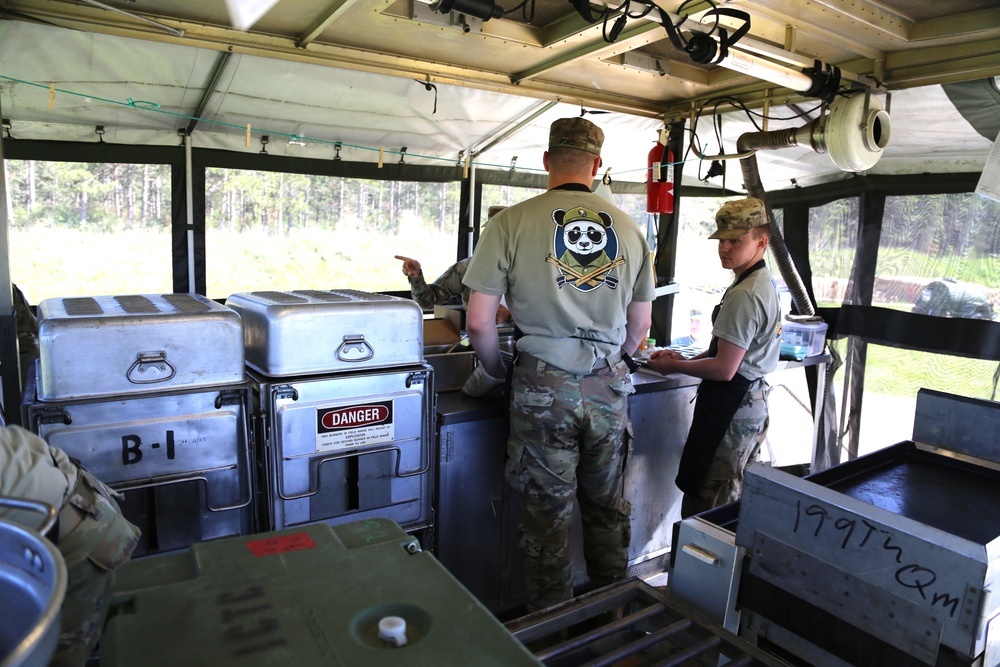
(203, 201)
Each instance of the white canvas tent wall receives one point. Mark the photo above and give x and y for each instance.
(142, 92)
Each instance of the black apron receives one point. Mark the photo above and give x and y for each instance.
(714, 409)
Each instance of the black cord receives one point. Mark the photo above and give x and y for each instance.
(430, 86)
(526, 16)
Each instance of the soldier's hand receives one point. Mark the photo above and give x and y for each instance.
(503, 315)
(411, 267)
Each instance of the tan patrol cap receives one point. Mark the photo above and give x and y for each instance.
(738, 217)
(577, 133)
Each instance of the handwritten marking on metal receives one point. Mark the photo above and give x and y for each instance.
(911, 575)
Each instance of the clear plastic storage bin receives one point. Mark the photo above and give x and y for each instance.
(810, 335)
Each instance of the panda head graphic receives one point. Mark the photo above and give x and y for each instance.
(585, 233)
(583, 247)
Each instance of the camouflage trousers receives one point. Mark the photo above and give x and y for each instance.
(739, 447)
(569, 437)
(101, 540)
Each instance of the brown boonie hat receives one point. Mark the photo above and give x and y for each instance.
(577, 133)
(738, 217)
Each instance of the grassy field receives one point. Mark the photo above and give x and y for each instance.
(896, 372)
(49, 262)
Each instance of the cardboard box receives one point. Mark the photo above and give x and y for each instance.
(456, 314)
(811, 335)
(440, 332)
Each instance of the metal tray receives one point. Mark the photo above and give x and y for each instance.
(311, 332)
(111, 345)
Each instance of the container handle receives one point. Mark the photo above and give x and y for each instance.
(34, 506)
(425, 465)
(150, 368)
(355, 348)
(701, 555)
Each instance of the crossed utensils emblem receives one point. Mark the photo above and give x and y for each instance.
(593, 278)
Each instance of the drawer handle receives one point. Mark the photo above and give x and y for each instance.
(702, 555)
(355, 348)
(150, 368)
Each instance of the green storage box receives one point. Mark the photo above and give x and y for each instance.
(312, 595)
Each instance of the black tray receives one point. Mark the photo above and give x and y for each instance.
(954, 496)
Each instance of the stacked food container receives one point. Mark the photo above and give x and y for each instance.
(343, 403)
(149, 393)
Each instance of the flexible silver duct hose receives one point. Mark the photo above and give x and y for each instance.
(754, 141)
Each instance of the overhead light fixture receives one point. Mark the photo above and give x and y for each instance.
(712, 44)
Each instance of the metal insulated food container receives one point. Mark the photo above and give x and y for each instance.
(149, 392)
(312, 332)
(109, 345)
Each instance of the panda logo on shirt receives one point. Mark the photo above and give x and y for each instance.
(583, 246)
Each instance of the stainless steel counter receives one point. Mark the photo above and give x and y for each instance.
(454, 407)
(476, 513)
(647, 380)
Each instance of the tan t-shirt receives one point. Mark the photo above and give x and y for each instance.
(569, 263)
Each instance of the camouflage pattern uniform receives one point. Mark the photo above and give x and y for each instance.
(448, 285)
(569, 431)
(27, 332)
(93, 536)
(740, 446)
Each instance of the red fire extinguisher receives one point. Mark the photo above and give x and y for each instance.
(660, 178)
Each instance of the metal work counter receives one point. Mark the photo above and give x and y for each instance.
(476, 514)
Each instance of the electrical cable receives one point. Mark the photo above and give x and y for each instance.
(526, 16)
